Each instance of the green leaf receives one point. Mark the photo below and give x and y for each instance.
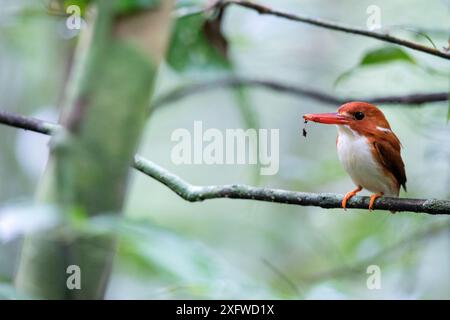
(82, 4)
(130, 6)
(122, 6)
(386, 55)
(59, 7)
(190, 48)
(77, 218)
(377, 57)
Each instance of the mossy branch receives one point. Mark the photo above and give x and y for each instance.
(194, 193)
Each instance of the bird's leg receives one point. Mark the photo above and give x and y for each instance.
(348, 195)
(374, 197)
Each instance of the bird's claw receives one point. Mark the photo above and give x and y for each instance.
(374, 197)
(348, 195)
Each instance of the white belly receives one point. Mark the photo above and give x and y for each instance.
(356, 157)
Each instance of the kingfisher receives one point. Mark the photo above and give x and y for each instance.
(367, 148)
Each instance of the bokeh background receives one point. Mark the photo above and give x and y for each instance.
(170, 248)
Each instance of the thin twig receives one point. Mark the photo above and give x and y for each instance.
(199, 193)
(335, 26)
(235, 81)
(27, 123)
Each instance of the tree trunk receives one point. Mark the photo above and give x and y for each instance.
(105, 108)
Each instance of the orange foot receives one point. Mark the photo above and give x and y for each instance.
(348, 195)
(373, 198)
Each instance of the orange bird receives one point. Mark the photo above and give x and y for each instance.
(367, 148)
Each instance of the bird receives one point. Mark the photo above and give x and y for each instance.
(367, 148)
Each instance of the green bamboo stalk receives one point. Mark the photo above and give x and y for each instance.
(103, 119)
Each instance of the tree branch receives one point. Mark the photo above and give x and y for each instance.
(233, 82)
(334, 26)
(27, 123)
(324, 200)
(194, 193)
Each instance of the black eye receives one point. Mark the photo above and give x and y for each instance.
(359, 115)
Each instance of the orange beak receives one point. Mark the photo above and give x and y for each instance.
(327, 118)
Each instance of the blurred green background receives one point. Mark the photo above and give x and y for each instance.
(170, 248)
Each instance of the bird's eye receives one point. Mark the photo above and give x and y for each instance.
(359, 115)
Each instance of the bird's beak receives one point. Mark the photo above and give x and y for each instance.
(327, 118)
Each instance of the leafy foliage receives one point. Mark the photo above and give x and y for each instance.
(386, 55)
(130, 6)
(190, 48)
(123, 6)
(198, 43)
(82, 4)
(378, 57)
(191, 269)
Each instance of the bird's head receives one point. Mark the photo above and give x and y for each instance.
(359, 116)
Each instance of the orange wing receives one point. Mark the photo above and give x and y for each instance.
(391, 159)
